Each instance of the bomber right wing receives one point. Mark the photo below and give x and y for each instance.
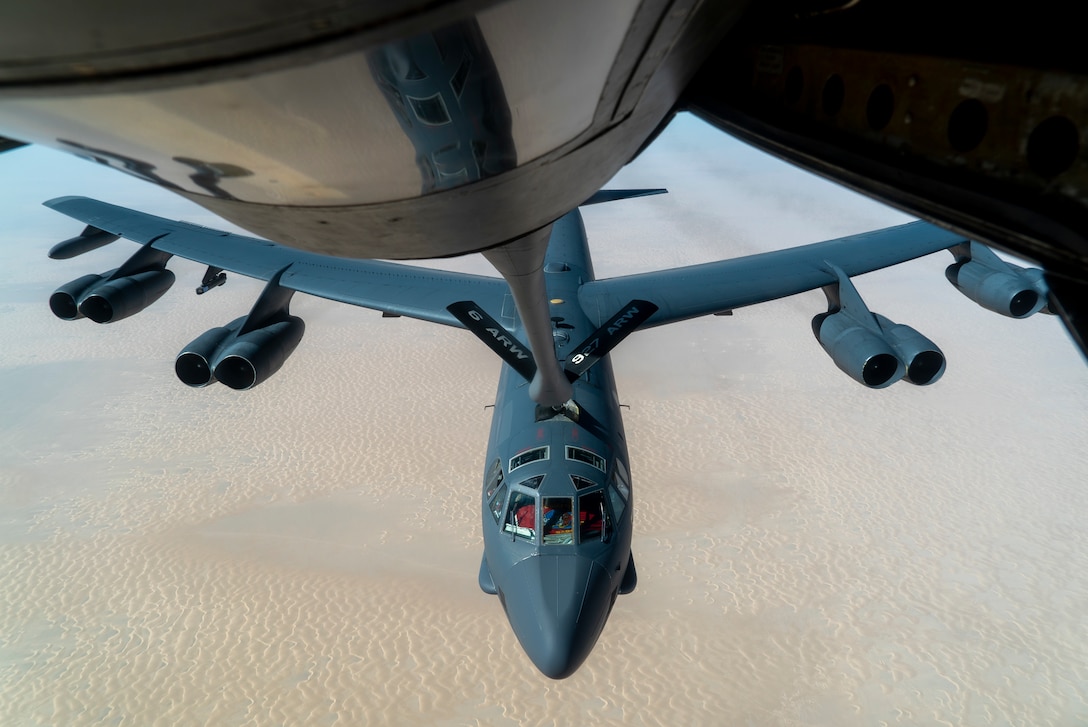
(870, 348)
(698, 290)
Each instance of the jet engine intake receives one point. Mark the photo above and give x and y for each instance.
(871, 349)
(65, 300)
(879, 356)
(856, 349)
(255, 356)
(996, 285)
(924, 361)
(120, 298)
(239, 360)
(1016, 292)
(105, 298)
(194, 365)
(116, 294)
(249, 349)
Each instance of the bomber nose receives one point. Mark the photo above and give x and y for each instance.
(557, 606)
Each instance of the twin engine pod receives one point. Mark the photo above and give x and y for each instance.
(241, 354)
(868, 347)
(238, 355)
(113, 295)
(996, 285)
(878, 354)
(108, 297)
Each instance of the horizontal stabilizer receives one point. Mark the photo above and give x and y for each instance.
(611, 195)
(498, 339)
(608, 336)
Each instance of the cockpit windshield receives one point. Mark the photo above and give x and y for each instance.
(521, 517)
(521, 511)
(558, 521)
(592, 517)
(555, 515)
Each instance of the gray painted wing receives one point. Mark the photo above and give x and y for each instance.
(698, 290)
(405, 290)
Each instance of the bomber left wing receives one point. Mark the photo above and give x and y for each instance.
(393, 288)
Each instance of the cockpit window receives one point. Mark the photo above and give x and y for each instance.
(584, 455)
(457, 83)
(619, 489)
(593, 517)
(617, 502)
(557, 514)
(533, 482)
(521, 516)
(497, 502)
(430, 110)
(623, 480)
(581, 483)
(529, 455)
(492, 479)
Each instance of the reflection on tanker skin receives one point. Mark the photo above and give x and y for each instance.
(447, 95)
(467, 132)
(445, 92)
(205, 175)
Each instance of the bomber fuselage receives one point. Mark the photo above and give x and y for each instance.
(556, 506)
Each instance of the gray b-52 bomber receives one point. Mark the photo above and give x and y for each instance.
(557, 499)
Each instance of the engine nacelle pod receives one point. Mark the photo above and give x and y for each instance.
(91, 238)
(862, 354)
(924, 361)
(196, 362)
(65, 300)
(256, 355)
(120, 298)
(1013, 292)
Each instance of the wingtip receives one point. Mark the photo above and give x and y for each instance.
(58, 201)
